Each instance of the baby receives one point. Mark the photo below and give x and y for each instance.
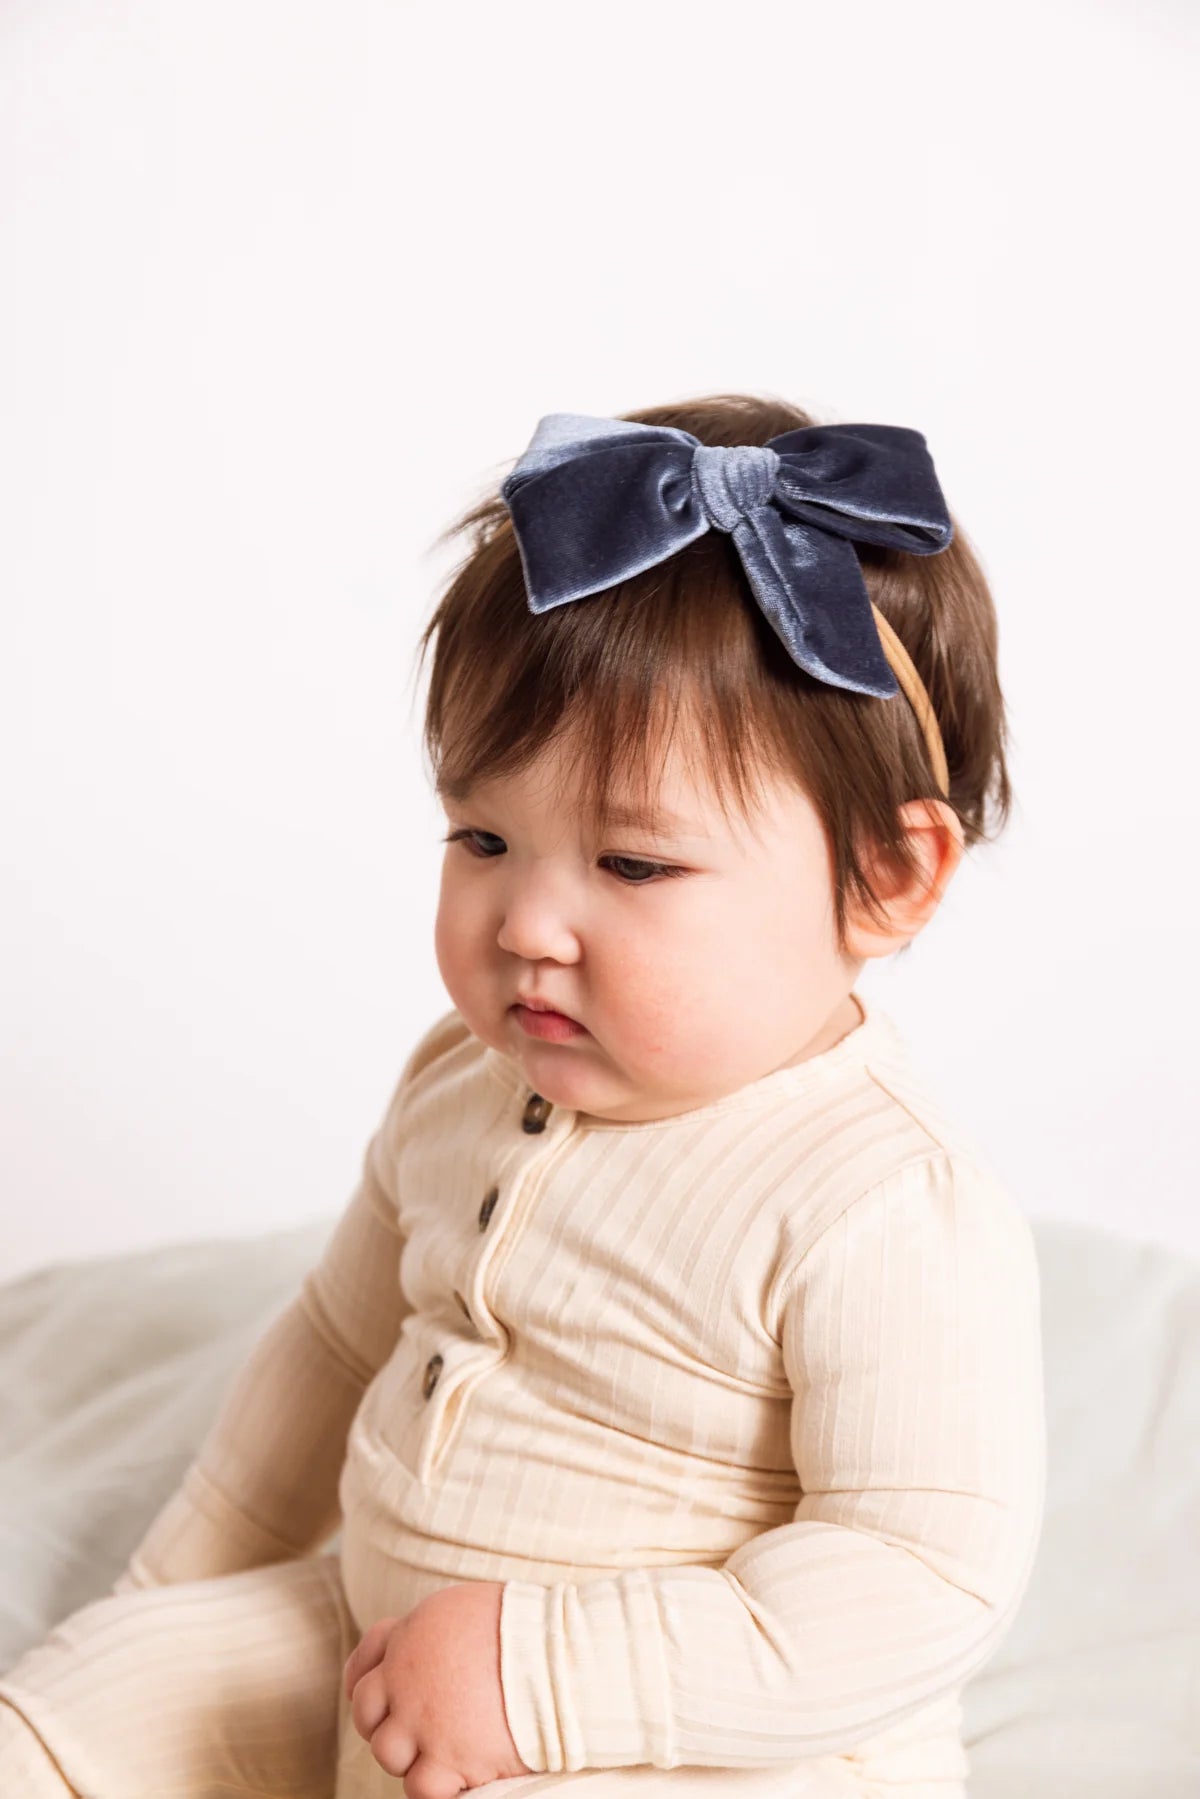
(674, 1371)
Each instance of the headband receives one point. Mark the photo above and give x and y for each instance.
(595, 500)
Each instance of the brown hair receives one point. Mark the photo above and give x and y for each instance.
(610, 677)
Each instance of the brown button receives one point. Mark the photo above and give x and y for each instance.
(463, 1307)
(433, 1368)
(488, 1207)
(537, 1110)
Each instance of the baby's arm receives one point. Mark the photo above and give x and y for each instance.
(910, 1331)
(263, 1486)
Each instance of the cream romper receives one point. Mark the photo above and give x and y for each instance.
(744, 1407)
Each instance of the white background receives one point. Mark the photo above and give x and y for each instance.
(285, 285)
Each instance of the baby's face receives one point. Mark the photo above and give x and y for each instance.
(684, 986)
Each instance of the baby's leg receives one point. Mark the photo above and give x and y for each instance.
(26, 1765)
(822, 1777)
(209, 1687)
(817, 1777)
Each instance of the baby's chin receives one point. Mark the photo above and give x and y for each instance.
(579, 1076)
(596, 1086)
(582, 1075)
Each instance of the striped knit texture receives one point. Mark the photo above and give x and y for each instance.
(744, 1406)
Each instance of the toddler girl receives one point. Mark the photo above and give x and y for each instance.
(674, 1371)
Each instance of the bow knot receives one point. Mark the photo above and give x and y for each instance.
(731, 481)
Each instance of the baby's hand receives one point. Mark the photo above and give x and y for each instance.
(425, 1693)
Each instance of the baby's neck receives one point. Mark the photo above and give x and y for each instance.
(846, 1018)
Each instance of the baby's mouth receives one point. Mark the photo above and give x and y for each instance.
(551, 1027)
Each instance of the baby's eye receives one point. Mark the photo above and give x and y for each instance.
(648, 870)
(465, 833)
(643, 872)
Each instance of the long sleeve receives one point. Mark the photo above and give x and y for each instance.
(263, 1486)
(910, 1335)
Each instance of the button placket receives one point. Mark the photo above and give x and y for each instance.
(522, 1168)
(535, 1115)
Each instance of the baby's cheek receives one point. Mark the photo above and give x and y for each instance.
(667, 1019)
(456, 942)
(722, 1010)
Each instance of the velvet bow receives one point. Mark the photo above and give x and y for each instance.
(595, 500)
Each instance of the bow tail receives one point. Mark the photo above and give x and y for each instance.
(810, 586)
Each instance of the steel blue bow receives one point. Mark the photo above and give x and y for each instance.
(595, 500)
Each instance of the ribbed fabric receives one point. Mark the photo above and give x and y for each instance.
(28, 1768)
(226, 1686)
(744, 1406)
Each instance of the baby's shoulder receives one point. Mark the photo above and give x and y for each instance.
(447, 1033)
(436, 1052)
(920, 1120)
(885, 1122)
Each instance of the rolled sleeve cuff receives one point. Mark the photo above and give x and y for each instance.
(583, 1673)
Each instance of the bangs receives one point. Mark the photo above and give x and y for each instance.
(673, 659)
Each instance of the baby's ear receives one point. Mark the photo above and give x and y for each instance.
(936, 831)
(910, 898)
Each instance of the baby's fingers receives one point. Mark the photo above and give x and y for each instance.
(369, 1707)
(368, 1653)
